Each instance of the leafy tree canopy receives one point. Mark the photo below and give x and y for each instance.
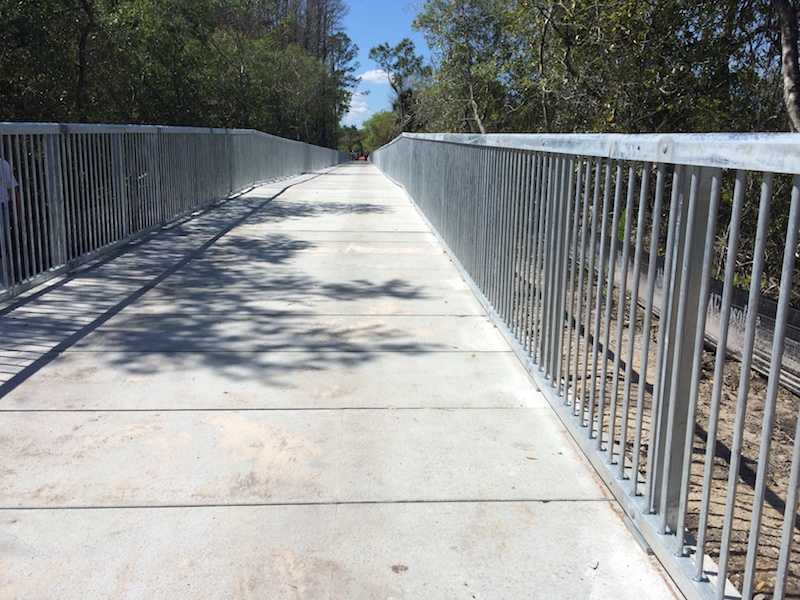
(379, 129)
(610, 65)
(281, 66)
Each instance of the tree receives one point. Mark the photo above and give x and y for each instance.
(404, 69)
(787, 23)
(282, 66)
(351, 139)
(664, 65)
(471, 42)
(379, 129)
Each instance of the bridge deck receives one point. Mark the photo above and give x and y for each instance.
(293, 395)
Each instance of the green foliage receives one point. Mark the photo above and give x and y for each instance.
(612, 66)
(284, 68)
(469, 90)
(351, 139)
(406, 70)
(379, 129)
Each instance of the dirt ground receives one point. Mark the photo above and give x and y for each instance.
(778, 473)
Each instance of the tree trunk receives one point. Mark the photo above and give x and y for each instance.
(475, 115)
(83, 60)
(787, 20)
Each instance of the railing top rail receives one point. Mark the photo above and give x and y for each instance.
(44, 128)
(8, 128)
(772, 152)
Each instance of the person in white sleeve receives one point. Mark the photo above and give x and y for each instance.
(10, 186)
(9, 189)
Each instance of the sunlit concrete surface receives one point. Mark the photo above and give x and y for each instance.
(293, 395)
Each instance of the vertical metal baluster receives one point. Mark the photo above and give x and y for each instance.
(790, 512)
(6, 282)
(94, 198)
(582, 327)
(36, 157)
(562, 353)
(497, 232)
(90, 198)
(108, 187)
(103, 195)
(480, 269)
(523, 242)
(146, 207)
(491, 286)
(24, 208)
(532, 239)
(13, 207)
(634, 310)
(506, 237)
(133, 182)
(719, 367)
(85, 207)
(609, 305)
(598, 311)
(487, 248)
(520, 227)
(159, 190)
(558, 282)
(142, 198)
(548, 274)
(520, 246)
(165, 161)
(103, 168)
(554, 268)
(776, 359)
(508, 225)
(98, 192)
(119, 185)
(663, 327)
(70, 195)
(744, 379)
(571, 379)
(29, 190)
(702, 310)
(533, 199)
(623, 293)
(485, 207)
(539, 265)
(588, 379)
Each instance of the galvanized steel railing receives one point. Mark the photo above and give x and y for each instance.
(68, 192)
(598, 254)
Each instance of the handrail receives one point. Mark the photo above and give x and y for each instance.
(774, 152)
(70, 192)
(574, 242)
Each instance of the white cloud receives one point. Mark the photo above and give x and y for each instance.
(358, 107)
(375, 76)
(358, 111)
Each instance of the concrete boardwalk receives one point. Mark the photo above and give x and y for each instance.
(293, 395)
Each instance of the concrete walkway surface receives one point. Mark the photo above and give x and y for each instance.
(292, 395)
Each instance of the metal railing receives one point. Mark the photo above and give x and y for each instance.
(69, 192)
(597, 254)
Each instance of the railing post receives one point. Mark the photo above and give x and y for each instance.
(675, 378)
(119, 185)
(57, 226)
(154, 173)
(230, 147)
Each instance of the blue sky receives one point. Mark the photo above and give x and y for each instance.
(370, 23)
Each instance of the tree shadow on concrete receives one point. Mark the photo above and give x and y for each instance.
(104, 309)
